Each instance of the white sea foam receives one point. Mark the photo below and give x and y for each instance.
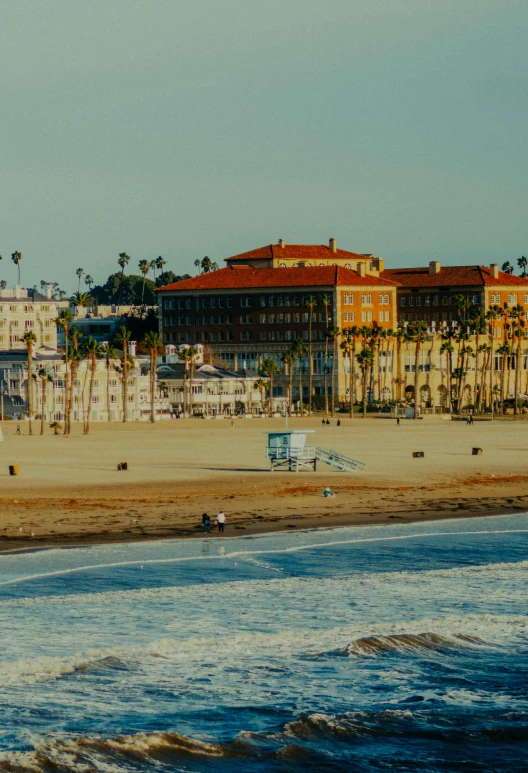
(241, 553)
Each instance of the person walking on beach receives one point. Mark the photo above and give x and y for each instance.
(397, 421)
(206, 523)
(339, 422)
(221, 519)
(18, 429)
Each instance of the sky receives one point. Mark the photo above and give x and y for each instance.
(186, 128)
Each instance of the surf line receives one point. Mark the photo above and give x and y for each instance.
(240, 553)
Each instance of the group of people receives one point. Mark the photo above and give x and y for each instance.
(327, 421)
(220, 522)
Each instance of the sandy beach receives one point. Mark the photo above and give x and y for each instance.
(69, 490)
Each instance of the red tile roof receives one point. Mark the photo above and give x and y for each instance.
(452, 276)
(246, 277)
(310, 252)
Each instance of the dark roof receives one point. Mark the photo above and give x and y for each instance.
(452, 276)
(248, 278)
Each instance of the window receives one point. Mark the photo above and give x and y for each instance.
(229, 302)
(188, 304)
(305, 316)
(296, 300)
(230, 335)
(351, 316)
(246, 302)
(411, 300)
(427, 300)
(526, 297)
(305, 335)
(130, 398)
(111, 383)
(271, 336)
(288, 335)
(435, 300)
(29, 323)
(475, 299)
(418, 300)
(187, 320)
(280, 300)
(384, 316)
(205, 320)
(384, 299)
(262, 301)
(262, 335)
(403, 302)
(213, 303)
(296, 317)
(286, 300)
(95, 398)
(287, 318)
(345, 316)
(213, 337)
(512, 298)
(366, 316)
(280, 319)
(262, 319)
(220, 303)
(366, 299)
(113, 398)
(245, 319)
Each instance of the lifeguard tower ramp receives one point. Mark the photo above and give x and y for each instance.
(288, 449)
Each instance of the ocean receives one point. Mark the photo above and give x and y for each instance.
(382, 648)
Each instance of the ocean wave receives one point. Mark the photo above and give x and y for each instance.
(408, 643)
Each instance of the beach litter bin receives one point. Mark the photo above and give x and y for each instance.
(122, 466)
(14, 469)
(476, 451)
(418, 454)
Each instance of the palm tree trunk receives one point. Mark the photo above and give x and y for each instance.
(66, 430)
(364, 395)
(477, 363)
(334, 371)
(30, 385)
(310, 365)
(416, 373)
(184, 388)
(325, 376)
(270, 375)
(125, 383)
(153, 359)
(290, 387)
(352, 376)
(301, 386)
(517, 376)
(90, 393)
(108, 390)
(42, 404)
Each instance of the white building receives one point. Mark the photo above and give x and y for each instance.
(22, 310)
(107, 397)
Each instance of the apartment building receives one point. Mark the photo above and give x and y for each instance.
(107, 397)
(22, 310)
(244, 314)
(429, 294)
(214, 391)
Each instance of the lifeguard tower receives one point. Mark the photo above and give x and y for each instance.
(288, 449)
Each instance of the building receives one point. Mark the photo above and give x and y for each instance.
(107, 397)
(22, 310)
(99, 322)
(244, 314)
(214, 391)
(282, 255)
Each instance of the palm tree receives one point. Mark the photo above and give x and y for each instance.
(123, 261)
(518, 327)
(81, 299)
(416, 333)
(311, 302)
(507, 267)
(45, 378)
(109, 353)
(288, 357)
(56, 427)
(91, 350)
(153, 345)
(325, 302)
(505, 352)
(348, 345)
(522, 262)
(365, 359)
(3, 284)
(64, 320)
(462, 305)
(447, 348)
(88, 281)
(188, 357)
(477, 327)
(16, 257)
(300, 350)
(160, 263)
(144, 267)
(122, 337)
(333, 334)
(30, 339)
(79, 272)
(261, 385)
(270, 367)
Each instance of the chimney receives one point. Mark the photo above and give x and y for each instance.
(132, 348)
(281, 243)
(333, 245)
(361, 269)
(494, 270)
(434, 267)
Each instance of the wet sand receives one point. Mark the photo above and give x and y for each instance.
(69, 491)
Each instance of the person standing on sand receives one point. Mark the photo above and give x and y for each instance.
(207, 523)
(18, 429)
(221, 519)
(397, 421)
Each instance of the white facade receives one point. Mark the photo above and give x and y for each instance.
(23, 310)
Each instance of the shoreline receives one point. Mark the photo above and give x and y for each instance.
(286, 524)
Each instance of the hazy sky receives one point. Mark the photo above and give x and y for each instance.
(186, 128)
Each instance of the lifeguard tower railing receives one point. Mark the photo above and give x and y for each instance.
(292, 458)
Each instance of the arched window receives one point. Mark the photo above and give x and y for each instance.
(282, 265)
(347, 265)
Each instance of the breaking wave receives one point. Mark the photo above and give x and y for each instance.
(372, 646)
